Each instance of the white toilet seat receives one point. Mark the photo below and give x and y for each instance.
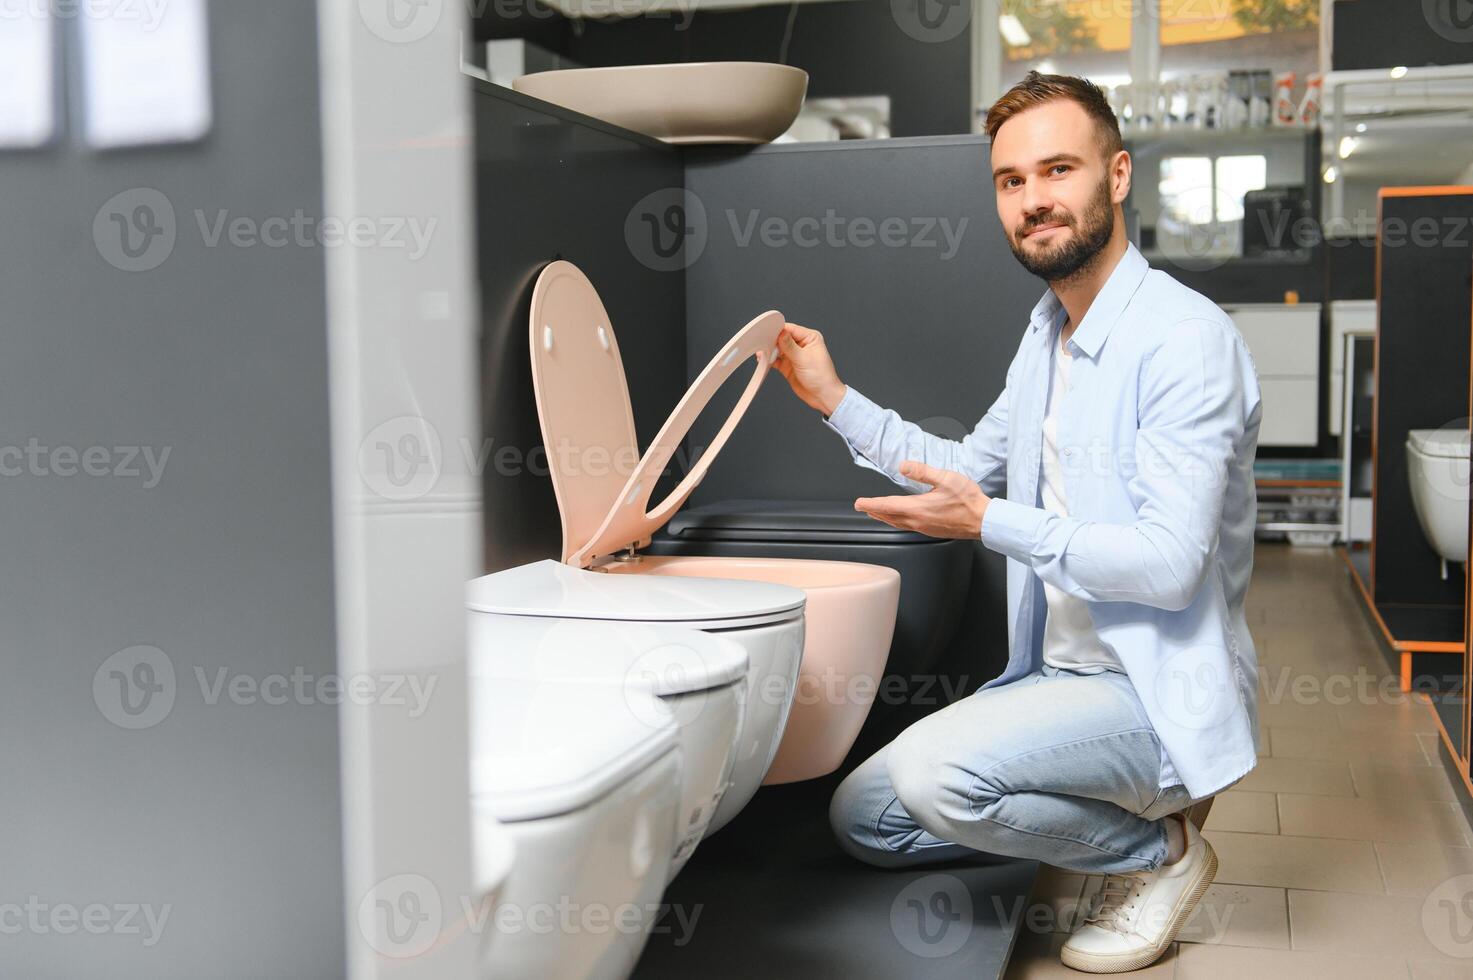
(551, 589)
(588, 791)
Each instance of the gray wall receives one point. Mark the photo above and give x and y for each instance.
(228, 814)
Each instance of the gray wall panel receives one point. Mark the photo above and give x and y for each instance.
(226, 813)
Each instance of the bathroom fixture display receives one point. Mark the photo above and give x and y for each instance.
(698, 679)
(820, 626)
(1437, 468)
(695, 102)
(588, 791)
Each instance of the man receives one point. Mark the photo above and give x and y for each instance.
(1123, 441)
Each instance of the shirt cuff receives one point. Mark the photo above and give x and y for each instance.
(1011, 528)
(854, 418)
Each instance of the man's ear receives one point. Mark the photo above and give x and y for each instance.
(1120, 169)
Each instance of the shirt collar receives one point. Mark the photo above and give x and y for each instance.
(1111, 301)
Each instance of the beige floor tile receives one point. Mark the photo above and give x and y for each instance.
(1393, 714)
(1371, 818)
(1414, 869)
(1036, 957)
(1240, 915)
(1299, 776)
(1431, 747)
(1286, 713)
(1422, 970)
(1370, 925)
(1338, 745)
(1198, 962)
(1296, 862)
(1245, 812)
(1401, 782)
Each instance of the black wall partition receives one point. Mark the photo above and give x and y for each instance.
(563, 186)
(1425, 262)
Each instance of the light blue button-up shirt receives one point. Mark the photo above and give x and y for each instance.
(1157, 435)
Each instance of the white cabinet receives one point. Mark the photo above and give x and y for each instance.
(1285, 342)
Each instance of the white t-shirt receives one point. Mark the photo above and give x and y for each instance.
(1069, 638)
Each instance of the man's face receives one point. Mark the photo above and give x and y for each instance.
(1055, 195)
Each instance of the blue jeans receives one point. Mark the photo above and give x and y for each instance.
(1060, 767)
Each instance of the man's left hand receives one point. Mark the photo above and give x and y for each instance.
(952, 508)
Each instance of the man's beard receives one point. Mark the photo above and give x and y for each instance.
(1063, 262)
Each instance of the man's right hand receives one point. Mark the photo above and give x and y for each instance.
(804, 360)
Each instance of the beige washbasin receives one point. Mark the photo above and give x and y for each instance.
(697, 102)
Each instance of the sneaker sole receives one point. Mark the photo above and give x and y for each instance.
(1126, 962)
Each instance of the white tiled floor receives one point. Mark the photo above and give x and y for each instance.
(1333, 850)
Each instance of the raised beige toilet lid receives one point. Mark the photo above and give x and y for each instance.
(583, 404)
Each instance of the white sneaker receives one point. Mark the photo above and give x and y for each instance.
(1140, 913)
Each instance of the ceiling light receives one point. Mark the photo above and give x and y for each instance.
(1347, 146)
(1398, 71)
(1330, 174)
(1013, 31)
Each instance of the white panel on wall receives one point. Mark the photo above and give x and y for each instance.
(27, 69)
(145, 73)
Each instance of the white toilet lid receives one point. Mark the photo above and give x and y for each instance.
(587, 424)
(539, 749)
(552, 589)
(661, 660)
(1449, 443)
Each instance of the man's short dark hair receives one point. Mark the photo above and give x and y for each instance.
(1036, 89)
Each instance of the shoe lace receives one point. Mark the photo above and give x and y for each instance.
(1116, 899)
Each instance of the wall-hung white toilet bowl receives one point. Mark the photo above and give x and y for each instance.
(699, 680)
(588, 792)
(495, 853)
(1437, 468)
(830, 622)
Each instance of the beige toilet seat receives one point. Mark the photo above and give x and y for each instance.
(588, 423)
